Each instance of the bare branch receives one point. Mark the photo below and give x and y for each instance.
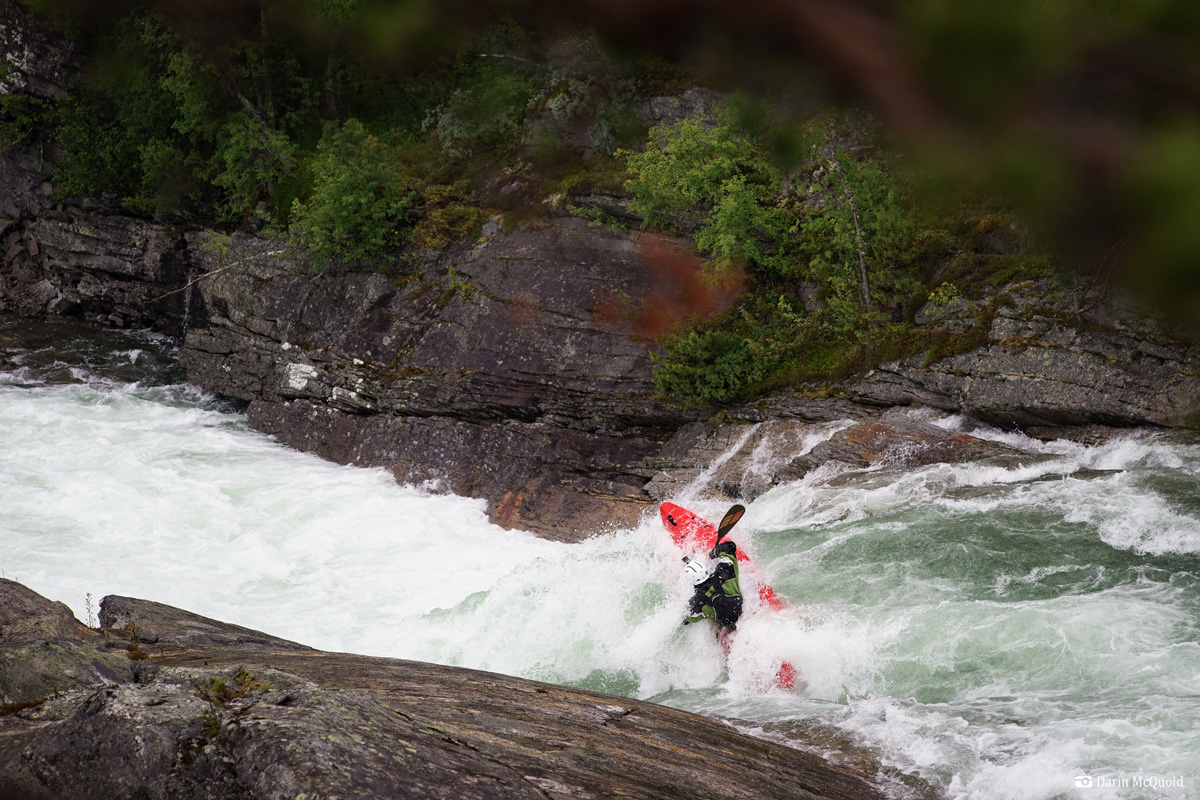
(863, 287)
(199, 278)
(525, 61)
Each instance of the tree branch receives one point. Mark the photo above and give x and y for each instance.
(864, 288)
(199, 278)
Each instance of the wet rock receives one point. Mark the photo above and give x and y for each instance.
(1050, 359)
(896, 440)
(741, 460)
(501, 372)
(228, 712)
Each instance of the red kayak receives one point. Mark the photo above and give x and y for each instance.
(694, 534)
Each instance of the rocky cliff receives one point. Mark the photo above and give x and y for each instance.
(162, 703)
(499, 369)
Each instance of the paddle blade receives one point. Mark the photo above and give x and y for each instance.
(729, 520)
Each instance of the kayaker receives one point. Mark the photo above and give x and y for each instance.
(717, 596)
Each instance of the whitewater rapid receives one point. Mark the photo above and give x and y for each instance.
(1018, 629)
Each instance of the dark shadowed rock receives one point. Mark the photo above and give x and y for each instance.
(222, 712)
(502, 372)
(40, 61)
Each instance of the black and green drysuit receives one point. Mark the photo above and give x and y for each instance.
(718, 597)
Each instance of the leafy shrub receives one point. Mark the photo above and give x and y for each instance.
(733, 356)
(719, 179)
(218, 691)
(118, 133)
(248, 161)
(587, 88)
(361, 202)
(19, 113)
(858, 244)
(481, 114)
(848, 246)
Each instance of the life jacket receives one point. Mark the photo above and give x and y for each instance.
(719, 597)
(725, 554)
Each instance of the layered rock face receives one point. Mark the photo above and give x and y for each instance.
(162, 703)
(506, 369)
(1050, 357)
(512, 368)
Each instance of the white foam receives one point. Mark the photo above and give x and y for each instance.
(234, 526)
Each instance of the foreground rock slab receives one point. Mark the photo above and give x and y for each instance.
(184, 706)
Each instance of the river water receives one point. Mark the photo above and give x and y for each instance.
(1028, 629)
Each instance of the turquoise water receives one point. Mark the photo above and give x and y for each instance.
(1002, 630)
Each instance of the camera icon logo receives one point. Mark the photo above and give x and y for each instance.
(1083, 781)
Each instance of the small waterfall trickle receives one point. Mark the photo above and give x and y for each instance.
(187, 300)
(701, 482)
(753, 463)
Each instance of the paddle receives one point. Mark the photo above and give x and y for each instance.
(729, 520)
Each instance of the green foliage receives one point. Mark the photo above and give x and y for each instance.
(849, 246)
(361, 203)
(488, 95)
(249, 160)
(446, 216)
(841, 255)
(602, 173)
(714, 365)
(732, 357)
(117, 133)
(860, 226)
(764, 344)
(719, 179)
(161, 124)
(218, 691)
(19, 113)
(599, 218)
(584, 86)
(943, 295)
(481, 114)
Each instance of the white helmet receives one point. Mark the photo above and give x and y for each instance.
(697, 570)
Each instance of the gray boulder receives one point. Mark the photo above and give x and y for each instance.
(215, 711)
